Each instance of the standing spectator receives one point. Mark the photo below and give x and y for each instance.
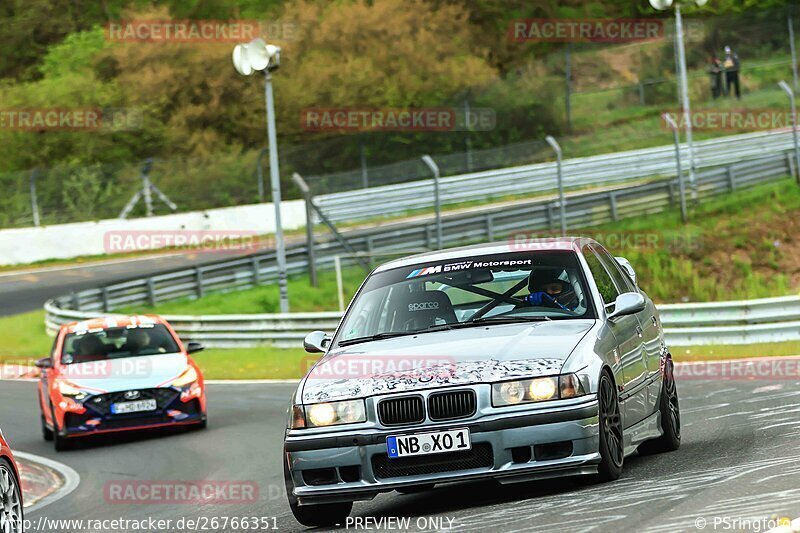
(731, 65)
(715, 73)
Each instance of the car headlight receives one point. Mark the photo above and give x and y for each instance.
(335, 413)
(189, 376)
(536, 390)
(67, 388)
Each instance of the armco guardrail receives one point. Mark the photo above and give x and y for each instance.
(616, 168)
(486, 224)
(741, 322)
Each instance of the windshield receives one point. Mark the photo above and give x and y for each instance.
(468, 291)
(116, 343)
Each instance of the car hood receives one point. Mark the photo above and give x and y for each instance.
(144, 372)
(457, 357)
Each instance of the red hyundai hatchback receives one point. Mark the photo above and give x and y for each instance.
(119, 374)
(10, 491)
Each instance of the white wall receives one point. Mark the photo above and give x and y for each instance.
(64, 241)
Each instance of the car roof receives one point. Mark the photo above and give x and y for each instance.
(116, 321)
(513, 245)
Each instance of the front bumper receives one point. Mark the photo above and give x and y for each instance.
(176, 413)
(510, 448)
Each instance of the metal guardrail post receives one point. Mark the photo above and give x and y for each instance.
(198, 274)
(151, 292)
(731, 177)
(75, 301)
(306, 192)
(489, 228)
(104, 296)
(255, 261)
(612, 201)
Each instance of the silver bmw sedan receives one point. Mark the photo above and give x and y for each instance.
(512, 362)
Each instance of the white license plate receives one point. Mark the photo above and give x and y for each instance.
(133, 407)
(453, 440)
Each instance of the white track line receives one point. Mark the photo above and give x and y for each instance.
(71, 479)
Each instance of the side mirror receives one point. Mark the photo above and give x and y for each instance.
(193, 347)
(628, 268)
(316, 341)
(44, 363)
(627, 303)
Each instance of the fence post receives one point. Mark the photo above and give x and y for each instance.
(151, 292)
(34, 202)
(790, 164)
(310, 252)
(198, 272)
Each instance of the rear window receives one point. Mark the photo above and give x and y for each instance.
(116, 343)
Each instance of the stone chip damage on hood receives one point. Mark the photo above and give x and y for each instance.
(439, 375)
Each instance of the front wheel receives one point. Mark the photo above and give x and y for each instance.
(612, 453)
(670, 440)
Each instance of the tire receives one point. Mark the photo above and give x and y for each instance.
(60, 443)
(47, 433)
(323, 515)
(612, 452)
(11, 512)
(670, 416)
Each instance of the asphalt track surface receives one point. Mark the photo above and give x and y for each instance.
(30, 289)
(739, 460)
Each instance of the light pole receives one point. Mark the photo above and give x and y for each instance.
(247, 58)
(561, 200)
(790, 93)
(681, 189)
(428, 160)
(684, 81)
